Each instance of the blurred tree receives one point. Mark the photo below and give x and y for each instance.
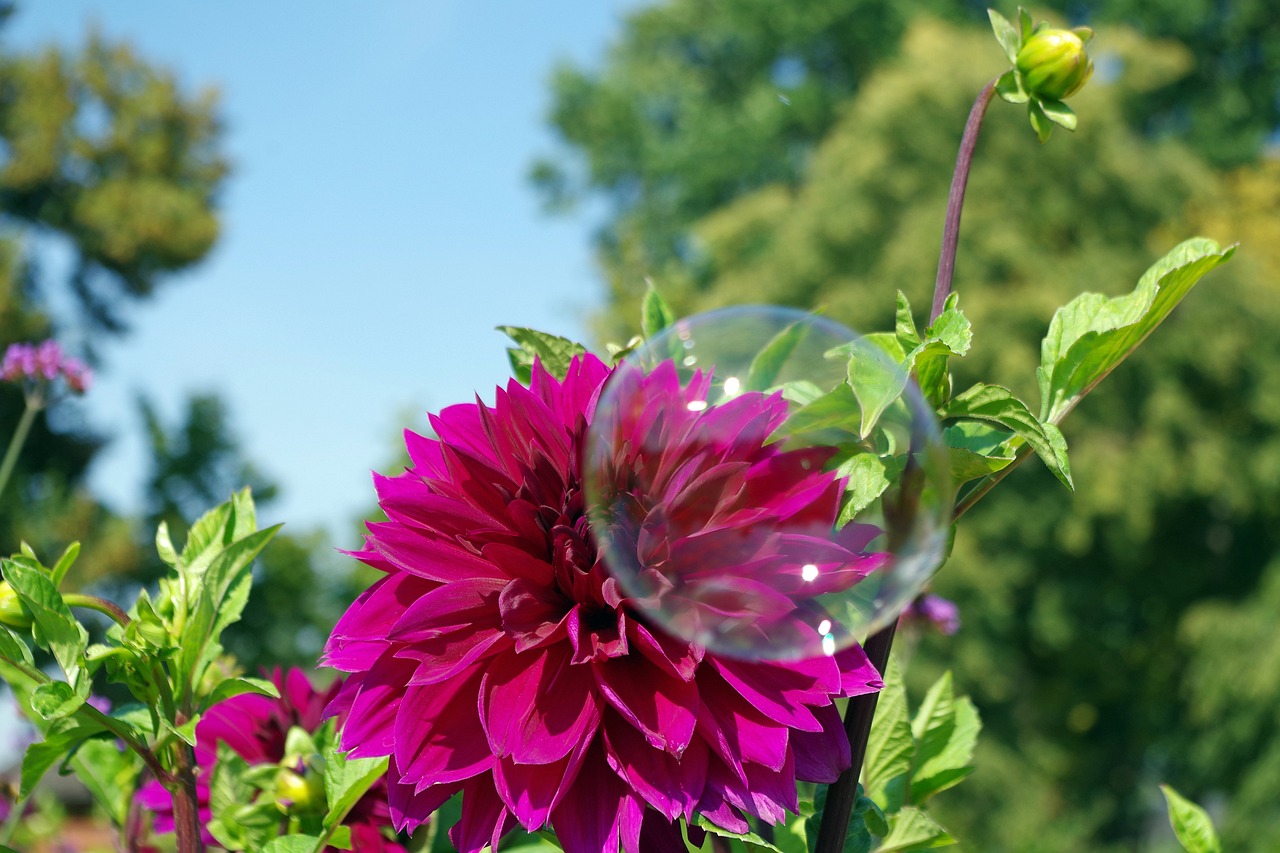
(1072, 642)
(104, 157)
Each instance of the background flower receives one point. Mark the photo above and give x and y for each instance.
(498, 657)
(256, 728)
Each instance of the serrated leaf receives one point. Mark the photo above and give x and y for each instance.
(1093, 334)
(57, 699)
(1059, 113)
(912, 829)
(1009, 88)
(995, 404)
(768, 363)
(1191, 824)
(54, 627)
(655, 313)
(164, 546)
(864, 815)
(13, 648)
(346, 781)
(967, 465)
(837, 409)
(867, 476)
(946, 731)
(875, 375)
(1006, 34)
(904, 324)
(555, 353)
(889, 745)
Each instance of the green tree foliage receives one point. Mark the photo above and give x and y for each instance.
(1080, 612)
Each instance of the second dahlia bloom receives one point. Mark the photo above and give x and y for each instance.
(256, 728)
(498, 658)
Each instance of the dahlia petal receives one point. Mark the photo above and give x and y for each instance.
(679, 658)
(371, 724)
(822, 756)
(410, 807)
(411, 551)
(460, 425)
(340, 705)
(484, 818)
(586, 821)
(595, 644)
(437, 734)
(532, 613)
(736, 731)
(535, 707)
(236, 722)
(658, 835)
(714, 808)
(671, 785)
(664, 708)
(857, 674)
(532, 791)
(767, 794)
(441, 658)
(471, 603)
(426, 455)
(777, 691)
(516, 562)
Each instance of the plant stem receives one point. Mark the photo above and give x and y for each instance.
(186, 814)
(955, 201)
(842, 794)
(93, 602)
(19, 439)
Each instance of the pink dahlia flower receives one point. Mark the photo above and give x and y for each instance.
(499, 658)
(256, 727)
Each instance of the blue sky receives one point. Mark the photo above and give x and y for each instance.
(378, 225)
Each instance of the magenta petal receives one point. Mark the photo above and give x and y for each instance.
(415, 552)
(438, 738)
(669, 784)
(664, 708)
(658, 835)
(532, 613)
(736, 731)
(531, 791)
(442, 658)
(360, 637)
(781, 695)
(677, 657)
(370, 727)
(767, 794)
(535, 707)
(586, 821)
(484, 818)
(857, 674)
(822, 756)
(471, 604)
(410, 807)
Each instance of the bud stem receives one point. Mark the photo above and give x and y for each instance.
(955, 201)
(15, 443)
(93, 602)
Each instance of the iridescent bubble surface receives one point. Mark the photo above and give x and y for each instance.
(766, 483)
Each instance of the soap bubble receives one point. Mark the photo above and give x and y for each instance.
(747, 499)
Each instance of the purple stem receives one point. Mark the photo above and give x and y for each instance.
(843, 793)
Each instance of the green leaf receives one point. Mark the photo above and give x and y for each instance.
(946, 732)
(48, 752)
(1024, 24)
(1092, 334)
(293, 844)
(1059, 113)
(1006, 34)
(745, 837)
(64, 564)
(889, 746)
(837, 409)
(768, 363)
(57, 699)
(868, 477)
(1009, 88)
(875, 375)
(164, 546)
(54, 627)
(236, 686)
(994, 404)
(111, 775)
(340, 837)
(864, 819)
(555, 353)
(1191, 824)
(655, 313)
(346, 781)
(14, 649)
(1040, 122)
(912, 829)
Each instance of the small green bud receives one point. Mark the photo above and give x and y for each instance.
(1054, 63)
(296, 793)
(13, 612)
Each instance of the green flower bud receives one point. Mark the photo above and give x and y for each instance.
(12, 611)
(1054, 64)
(296, 793)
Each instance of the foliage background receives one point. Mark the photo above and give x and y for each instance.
(801, 154)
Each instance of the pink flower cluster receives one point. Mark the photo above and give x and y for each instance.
(44, 362)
